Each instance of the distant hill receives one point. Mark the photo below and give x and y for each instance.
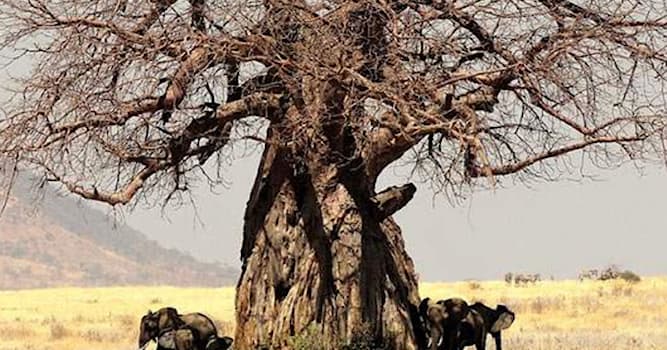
(59, 241)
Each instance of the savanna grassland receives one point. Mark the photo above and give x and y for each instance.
(612, 315)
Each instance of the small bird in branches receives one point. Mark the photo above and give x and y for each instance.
(166, 110)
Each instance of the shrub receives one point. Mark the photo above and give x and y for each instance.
(474, 285)
(629, 276)
(309, 339)
(92, 335)
(306, 340)
(58, 331)
(364, 340)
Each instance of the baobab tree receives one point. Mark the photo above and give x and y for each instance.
(132, 101)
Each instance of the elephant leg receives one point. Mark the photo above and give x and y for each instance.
(496, 337)
(481, 344)
(482, 337)
(184, 340)
(450, 341)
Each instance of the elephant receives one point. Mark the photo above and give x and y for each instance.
(481, 320)
(527, 278)
(472, 331)
(193, 331)
(442, 322)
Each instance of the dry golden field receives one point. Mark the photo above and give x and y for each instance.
(611, 315)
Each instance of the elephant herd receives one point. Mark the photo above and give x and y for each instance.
(449, 324)
(452, 324)
(522, 278)
(172, 331)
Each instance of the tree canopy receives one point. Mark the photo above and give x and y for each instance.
(136, 97)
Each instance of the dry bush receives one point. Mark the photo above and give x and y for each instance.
(307, 340)
(92, 335)
(474, 285)
(630, 276)
(58, 331)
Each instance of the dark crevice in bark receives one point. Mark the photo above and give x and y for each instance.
(271, 174)
(377, 262)
(281, 290)
(309, 207)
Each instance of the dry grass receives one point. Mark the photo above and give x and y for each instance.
(610, 315)
(593, 315)
(97, 318)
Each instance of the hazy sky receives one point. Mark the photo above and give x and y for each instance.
(551, 228)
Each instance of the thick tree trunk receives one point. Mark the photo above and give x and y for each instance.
(320, 253)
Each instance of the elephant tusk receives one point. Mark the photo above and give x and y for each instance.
(440, 342)
(430, 342)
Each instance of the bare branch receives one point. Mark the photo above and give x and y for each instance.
(137, 97)
(516, 167)
(393, 199)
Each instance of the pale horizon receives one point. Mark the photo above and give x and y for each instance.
(586, 224)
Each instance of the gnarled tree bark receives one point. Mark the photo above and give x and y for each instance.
(321, 249)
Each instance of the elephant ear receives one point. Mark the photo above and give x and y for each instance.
(505, 319)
